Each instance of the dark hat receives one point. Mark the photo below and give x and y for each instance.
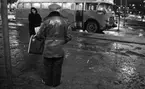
(54, 7)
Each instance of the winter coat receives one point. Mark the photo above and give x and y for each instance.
(34, 19)
(54, 31)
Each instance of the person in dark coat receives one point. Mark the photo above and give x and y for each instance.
(34, 20)
(54, 31)
(78, 19)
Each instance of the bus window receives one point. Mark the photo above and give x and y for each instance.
(91, 6)
(67, 5)
(45, 5)
(27, 5)
(36, 5)
(79, 6)
(20, 5)
(60, 4)
(73, 6)
(105, 7)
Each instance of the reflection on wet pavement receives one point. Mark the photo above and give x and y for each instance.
(115, 33)
(137, 33)
(16, 47)
(112, 59)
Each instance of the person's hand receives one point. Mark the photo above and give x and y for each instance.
(37, 29)
(69, 38)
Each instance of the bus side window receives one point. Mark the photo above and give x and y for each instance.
(60, 4)
(36, 5)
(20, 5)
(79, 6)
(87, 6)
(45, 5)
(67, 5)
(27, 5)
(73, 6)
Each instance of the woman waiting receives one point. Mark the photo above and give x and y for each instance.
(34, 20)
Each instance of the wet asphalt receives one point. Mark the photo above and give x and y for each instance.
(88, 64)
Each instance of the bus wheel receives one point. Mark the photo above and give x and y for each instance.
(92, 26)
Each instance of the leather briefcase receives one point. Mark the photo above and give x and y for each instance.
(35, 46)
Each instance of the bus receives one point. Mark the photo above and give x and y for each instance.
(97, 15)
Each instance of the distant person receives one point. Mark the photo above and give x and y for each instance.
(142, 17)
(78, 19)
(54, 31)
(34, 20)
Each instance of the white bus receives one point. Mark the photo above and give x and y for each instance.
(97, 14)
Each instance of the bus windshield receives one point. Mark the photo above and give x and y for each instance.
(99, 7)
(105, 6)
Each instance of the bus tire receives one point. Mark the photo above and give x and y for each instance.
(92, 26)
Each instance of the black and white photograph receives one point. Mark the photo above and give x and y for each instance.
(72, 44)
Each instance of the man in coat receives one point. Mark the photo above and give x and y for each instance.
(54, 31)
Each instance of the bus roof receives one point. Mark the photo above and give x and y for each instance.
(46, 1)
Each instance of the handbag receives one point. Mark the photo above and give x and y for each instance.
(36, 46)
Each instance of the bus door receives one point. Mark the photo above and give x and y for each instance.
(79, 16)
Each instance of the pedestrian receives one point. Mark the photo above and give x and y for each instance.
(34, 20)
(142, 17)
(78, 19)
(54, 31)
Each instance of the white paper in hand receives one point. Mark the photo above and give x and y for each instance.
(37, 29)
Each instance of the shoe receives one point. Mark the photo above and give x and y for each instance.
(55, 85)
(46, 83)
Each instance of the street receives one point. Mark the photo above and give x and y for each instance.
(89, 63)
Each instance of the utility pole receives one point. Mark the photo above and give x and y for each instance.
(7, 55)
(119, 16)
(83, 16)
(121, 2)
(125, 12)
